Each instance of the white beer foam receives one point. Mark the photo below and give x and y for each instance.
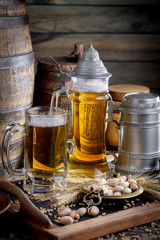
(97, 86)
(46, 121)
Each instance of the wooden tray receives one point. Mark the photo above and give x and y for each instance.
(99, 226)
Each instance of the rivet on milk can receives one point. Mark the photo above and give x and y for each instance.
(118, 92)
(48, 79)
(17, 72)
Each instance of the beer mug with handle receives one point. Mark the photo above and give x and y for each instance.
(89, 95)
(45, 149)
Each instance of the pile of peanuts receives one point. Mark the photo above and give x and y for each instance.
(117, 186)
(67, 216)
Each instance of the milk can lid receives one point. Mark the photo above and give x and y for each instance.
(91, 66)
(139, 101)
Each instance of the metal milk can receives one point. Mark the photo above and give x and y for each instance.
(139, 138)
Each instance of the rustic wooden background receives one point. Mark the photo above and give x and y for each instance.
(126, 34)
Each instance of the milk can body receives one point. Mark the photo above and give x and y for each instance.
(118, 91)
(139, 143)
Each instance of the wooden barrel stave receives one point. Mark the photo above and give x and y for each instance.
(17, 71)
(12, 46)
(15, 163)
(9, 2)
(16, 87)
(5, 124)
(7, 117)
(13, 10)
(16, 148)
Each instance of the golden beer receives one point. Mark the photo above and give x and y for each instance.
(89, 114)
(46, 147)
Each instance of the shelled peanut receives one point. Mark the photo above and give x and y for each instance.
(117, 186)
(66, 216)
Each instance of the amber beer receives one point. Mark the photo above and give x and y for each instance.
(45, 146)
(89, 114)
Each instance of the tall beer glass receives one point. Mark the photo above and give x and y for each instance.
(45, 148)
(89, 95)
(89, 104)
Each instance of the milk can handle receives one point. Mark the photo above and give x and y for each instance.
(5, 149)
(63, 75)
(114, 155)
(111, 108)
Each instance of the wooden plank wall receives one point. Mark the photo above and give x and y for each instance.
(126, 34)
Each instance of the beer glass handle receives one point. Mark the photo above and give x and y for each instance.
(70, 146)
(70, 150)
(5, 150)
(111, 108)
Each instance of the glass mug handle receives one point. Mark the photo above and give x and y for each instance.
(114, 155)
(10, 131)
(111, 108)
(70, 150)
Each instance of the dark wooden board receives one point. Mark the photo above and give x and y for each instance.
(125, 33)
(111, 47)
(93, 2)
(141, 73)
(99, 19)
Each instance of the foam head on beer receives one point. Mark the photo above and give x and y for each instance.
(90, 85)
(47, 121)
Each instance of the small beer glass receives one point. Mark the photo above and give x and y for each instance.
(45, 149)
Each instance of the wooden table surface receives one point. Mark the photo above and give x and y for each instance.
(140, 221)
(106, 226)
(13, 227)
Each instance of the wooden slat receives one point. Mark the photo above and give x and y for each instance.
(142, 73)
(96, 227)
(94, 19)
(93, 2)
(125, 56)
(126, 47)
(8, 2)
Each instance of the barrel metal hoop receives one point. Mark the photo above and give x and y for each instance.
(17, 61)
(14, 114)
(14, 22)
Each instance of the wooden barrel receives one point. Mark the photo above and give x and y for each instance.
(117, 92)
(48, 78)
(16, 71)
